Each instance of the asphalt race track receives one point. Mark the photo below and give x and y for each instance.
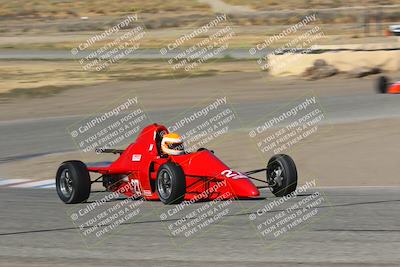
(348, 226)
(351, 225)
(27, 138)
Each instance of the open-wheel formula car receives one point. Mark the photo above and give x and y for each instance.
(384, 86)
(142, 169)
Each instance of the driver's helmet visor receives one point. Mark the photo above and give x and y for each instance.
(175, 146)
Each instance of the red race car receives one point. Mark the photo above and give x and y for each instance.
(143, 169)
(384, 86)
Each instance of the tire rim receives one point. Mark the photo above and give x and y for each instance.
(275, 175)
(66, 183)
(164, 184)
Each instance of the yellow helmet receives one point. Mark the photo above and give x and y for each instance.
(172, 144)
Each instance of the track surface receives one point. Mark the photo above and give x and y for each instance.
(21, 139)
(354, 226)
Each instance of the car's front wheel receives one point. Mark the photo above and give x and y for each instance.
(73, 182)
(171, 183)
(281, 175)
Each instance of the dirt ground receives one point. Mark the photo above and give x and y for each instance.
(35, 76)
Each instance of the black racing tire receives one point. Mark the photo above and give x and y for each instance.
(382, 84)
(171, 183)
(286, 182)
(73, 182)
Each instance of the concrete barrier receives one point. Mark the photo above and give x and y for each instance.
(296, 64)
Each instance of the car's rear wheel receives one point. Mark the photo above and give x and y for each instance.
(382, 84)
(171, 183)
(73, 182)
(281, 175)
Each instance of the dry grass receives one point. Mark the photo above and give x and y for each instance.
(45, 78)
(70, 8)
(37, 17)
(307, 4)
(244, 38)
(39, 74)
(56, 24)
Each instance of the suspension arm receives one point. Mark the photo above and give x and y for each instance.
(254, 171)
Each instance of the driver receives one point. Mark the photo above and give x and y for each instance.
(172, 144)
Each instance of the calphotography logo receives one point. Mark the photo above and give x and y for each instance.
(113, 127)
(205, 124)
(193, 217)
(191, 50)
(289, 213)
(100, 51)
(282, 50)
(104, 216)
(289, 127)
